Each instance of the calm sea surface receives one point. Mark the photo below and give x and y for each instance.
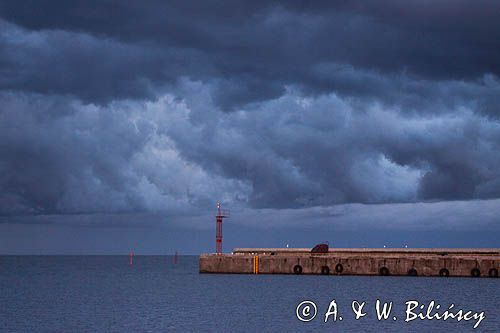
(106, 294)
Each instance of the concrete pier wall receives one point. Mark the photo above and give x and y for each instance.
(419, 262)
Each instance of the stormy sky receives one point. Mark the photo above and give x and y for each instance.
(362, 123)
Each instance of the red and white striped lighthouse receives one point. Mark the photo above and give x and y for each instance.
(221, 214)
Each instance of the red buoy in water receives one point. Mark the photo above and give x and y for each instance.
(175, 258)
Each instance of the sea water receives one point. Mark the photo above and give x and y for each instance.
(107, 294)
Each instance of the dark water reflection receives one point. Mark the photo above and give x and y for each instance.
(106, 294)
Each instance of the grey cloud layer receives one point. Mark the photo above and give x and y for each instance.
(360, 103)
(252, 50)
(298, 151)
(94, 159)
(290, 152)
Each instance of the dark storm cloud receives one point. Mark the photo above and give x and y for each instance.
(298, 151)
(59, 156)
(43, 156)
(123, 107)
(252, 49)
(95, 70)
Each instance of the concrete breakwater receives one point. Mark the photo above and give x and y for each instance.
(338, 261)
